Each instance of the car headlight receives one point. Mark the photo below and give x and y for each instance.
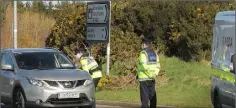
(35, 82)
(88, 82)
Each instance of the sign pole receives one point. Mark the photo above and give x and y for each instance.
(90, 49)
(15, 25)
(108, 59)
(108, 45)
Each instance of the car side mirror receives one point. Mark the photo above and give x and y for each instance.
(7, 67)
(233, 60)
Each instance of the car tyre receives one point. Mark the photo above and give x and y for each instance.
(18, 100)
(217, 103)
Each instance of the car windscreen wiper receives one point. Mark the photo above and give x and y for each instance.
(45, 68)
(66, 68)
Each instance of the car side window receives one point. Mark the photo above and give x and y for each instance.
(6, 60)
(60, 59)
(63, 61)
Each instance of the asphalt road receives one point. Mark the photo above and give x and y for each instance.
(97, 106)
(109, 105)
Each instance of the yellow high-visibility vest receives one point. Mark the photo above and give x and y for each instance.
(148, 65)
(89, 64)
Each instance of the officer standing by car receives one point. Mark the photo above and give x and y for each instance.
(148, 69)
(88, 64)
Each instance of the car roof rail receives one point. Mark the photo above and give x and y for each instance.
(4, 49)
(56, 49)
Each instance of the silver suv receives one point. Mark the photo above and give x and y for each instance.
(43, 77)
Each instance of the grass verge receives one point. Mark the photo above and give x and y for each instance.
(188, 85)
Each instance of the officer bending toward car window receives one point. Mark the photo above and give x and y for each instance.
(88, 64)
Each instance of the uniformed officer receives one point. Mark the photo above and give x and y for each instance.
(88, 64)
(148, 69)
(226, 57)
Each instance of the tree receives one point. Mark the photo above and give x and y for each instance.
(69, 30)
(39, 6)
(3, 6)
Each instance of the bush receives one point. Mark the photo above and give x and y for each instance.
(182, 29)
(69, 30)
(3, 6)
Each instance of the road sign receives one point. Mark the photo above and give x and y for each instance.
(97, 13)
(98, 25)
(98, 22)
(97, 33)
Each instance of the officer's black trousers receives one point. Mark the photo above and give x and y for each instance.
(96, 80)
(148, 92)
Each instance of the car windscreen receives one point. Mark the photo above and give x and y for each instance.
(43, 60)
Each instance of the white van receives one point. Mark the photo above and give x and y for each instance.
(223, 47)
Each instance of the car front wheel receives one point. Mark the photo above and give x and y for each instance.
(18, 100)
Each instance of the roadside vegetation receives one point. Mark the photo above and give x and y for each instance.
(182, 84)
(181, 33)
(33, 28)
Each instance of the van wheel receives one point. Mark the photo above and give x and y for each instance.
(18, 100)
(217, 103)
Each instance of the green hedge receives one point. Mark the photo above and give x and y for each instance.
(182, 29)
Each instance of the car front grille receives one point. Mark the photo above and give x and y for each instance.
(80, 82)
(52, 83)
(67, 101)
(65, 84)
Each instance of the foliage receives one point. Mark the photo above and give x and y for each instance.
(69, 30)
(183, 85)
(3, 6)
(103, 82)
(33, 28)
(182, 29)
(37, 7)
